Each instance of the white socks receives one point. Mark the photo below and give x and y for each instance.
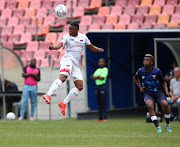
(55, 85)
(72, 94)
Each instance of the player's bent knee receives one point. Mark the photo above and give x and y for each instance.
(80, 88)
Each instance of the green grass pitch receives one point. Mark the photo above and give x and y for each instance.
(71, 132)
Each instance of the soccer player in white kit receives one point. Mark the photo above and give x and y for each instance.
(69, 64)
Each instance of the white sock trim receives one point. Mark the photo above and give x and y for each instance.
(153, 118)
(167, 115)
(55, 85)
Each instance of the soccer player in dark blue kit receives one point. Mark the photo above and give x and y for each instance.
(151, 82)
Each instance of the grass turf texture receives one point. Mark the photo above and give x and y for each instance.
(71, 132)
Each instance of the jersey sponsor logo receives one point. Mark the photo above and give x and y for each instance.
(67, 65)
(143, 77)
(153, 76)
(81, 40)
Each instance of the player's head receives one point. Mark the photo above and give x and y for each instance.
(177, 72)
(33, 62)
(102, 62)
(73, 29)
(148, 60)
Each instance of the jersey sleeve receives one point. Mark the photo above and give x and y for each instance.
(87, 41)
(105, 73)
(63, 40)
(137, 75)
(160, 77)
(95, 73)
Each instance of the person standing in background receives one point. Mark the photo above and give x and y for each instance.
(100, 76)
(31, 74)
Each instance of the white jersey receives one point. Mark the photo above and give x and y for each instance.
(74, 46)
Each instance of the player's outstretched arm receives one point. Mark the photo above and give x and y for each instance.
(94, 48)
(56, 47)
(164, 85)
(138, 83)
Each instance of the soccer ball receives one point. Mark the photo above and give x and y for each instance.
(61, 10)
(10, 116)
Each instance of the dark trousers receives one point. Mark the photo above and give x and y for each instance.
(101, 94)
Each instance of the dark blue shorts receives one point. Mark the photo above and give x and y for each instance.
(155, 96)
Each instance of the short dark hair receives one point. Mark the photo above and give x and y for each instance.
(150, 56)
(75, 24)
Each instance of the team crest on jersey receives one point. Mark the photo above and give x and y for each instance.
(67, 65)
(153, 76)
(81, 40)
(143, 77)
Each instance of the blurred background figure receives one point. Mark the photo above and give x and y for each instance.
(100, 76)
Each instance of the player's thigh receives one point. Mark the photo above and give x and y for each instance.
(76, 73)
(66, 67)
(149, 101)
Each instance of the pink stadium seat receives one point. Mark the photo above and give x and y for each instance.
(107, 27)
(99, 19)
(7, 30)
(150, 19)
(112, 19)
(86, 19)
(51, 37)
(8, 44)
(54, 54)
(116, 10)
(42, 12)
(177, 10)
(25, 21)
(30, 13)
(18, 52)
(40, 21)
(57, 2)
(129, 10)
(27, 55)
(83, 3)
(40, 54)
(120, 27)
(121, 3)
(125, 19)
(94, 26)
(159, 2)
(24, 61)
(3, 22)
(104, 11)
(168, 9)
(23, 4)
(133, 2)
(47, 4)
(56, 63)
(94, 4)
(60, 22)
(78, 12)
(137, 19)
(44, 45)
(35, 4)
(146, 26)
(13, 37)
(66, 28)
(83, 28)
(2, 4)
(31, 29)
(172, 2)
(45, 62)
(32, 46)
(25, 38)
(60, 36)
(49, 20)
(19, 30)
(6, 13)
(11, 5)
(13, 21)
(142, 10)
(18, 13)
(68, 4)
(133, 26)
(4, 37)
(175, 18)
(43, 30)
(159, 26)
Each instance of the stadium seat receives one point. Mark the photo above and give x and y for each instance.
(40, 54)
(4, 37)
(27, 55)
(86, 19)
(57, 2)
(7, 30)
(42, 12)
(11, 4)
(35, 4)
(83, 28)
(13, 21)
(68, 4)
(137, 19)
(31, 29)
(83, 3)
(43, 30)
(8, 44)
(60, 36)
(129, 10)
(172, 2)
(133, 2)
(60, 22)
(24, 4)
(56, 63)
(25, 38)
(155, 10)
(3, 22)
(30, 13)
(116, 10)
(18, 52)
(146, 2)
(24, 61)
(66, 28)
(103, 11)
(112, 19)
(54, 54)
(168, 9)
(107, 27)
(163, 19)
(159, 2)
(45, 62)
(133, 26)
(18, 13)
(13, 37)
(44, 45)
(40, 21)
(2, 4)
(150, 19)
(49, 20)
(177, 10)
(142, 10)
(78, 12)
(159, 26)
(32, 46)
(51, 37)
(146, 26)
(47, 4)
(119, 26)
(175, 18)
(6, 13)
(121, 3)
(99, 19)
(125, 19)
(19, 29)
(25, 21)
(172, 25)
(94, 4)
(94, 26)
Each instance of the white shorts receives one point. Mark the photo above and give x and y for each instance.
(68, 67)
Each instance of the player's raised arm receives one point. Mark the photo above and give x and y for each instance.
(94, 48)
(56, 47)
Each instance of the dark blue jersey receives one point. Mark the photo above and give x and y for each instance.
(152, 81)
